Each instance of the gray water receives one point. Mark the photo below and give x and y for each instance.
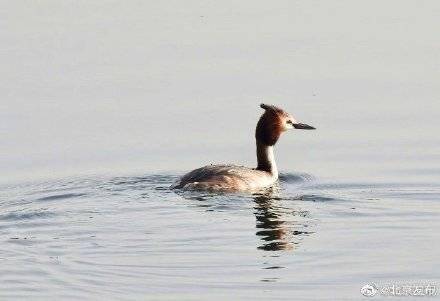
(103, 105)
(131, 238)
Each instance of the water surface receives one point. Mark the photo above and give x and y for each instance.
(131, 238)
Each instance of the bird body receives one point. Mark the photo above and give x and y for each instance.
(226, 178)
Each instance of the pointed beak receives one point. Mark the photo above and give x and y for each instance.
(303, 126)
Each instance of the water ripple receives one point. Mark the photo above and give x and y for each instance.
(61, 196)
(18, 216)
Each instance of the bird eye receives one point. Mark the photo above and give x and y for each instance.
(289, 122)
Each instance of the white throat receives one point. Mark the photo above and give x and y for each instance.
(266, 159)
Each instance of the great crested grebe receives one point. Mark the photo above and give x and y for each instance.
(271, 125)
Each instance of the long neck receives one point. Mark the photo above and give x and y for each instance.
(266, 159)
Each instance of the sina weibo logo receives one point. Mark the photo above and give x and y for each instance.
(369, 290)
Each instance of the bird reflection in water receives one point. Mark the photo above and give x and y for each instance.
(278, 227)
(277, 233)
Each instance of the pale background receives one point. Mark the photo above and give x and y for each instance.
(116, 87)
